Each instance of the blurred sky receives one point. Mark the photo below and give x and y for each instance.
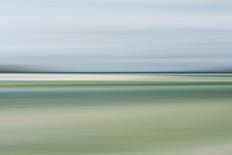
(117, 35)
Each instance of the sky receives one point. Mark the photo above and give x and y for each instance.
(116, 35)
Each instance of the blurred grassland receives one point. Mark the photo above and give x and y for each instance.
(183, 115)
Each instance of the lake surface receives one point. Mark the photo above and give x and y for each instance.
(116, 114)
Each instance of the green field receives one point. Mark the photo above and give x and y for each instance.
(185, 114)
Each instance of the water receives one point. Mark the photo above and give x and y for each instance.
(118, 115)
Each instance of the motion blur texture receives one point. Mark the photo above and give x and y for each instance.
(115, 114)
(116, 35)
(183, 114)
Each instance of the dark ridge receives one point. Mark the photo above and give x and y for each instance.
(12, 69)
(163, 72)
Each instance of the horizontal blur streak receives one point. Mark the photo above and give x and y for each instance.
(46, 108)
(114, 77)
(116, 35)
(116, 114)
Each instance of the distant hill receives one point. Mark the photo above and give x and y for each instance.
(15, 69)
(26, 69)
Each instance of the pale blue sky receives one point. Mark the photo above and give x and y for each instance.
(117, 35)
